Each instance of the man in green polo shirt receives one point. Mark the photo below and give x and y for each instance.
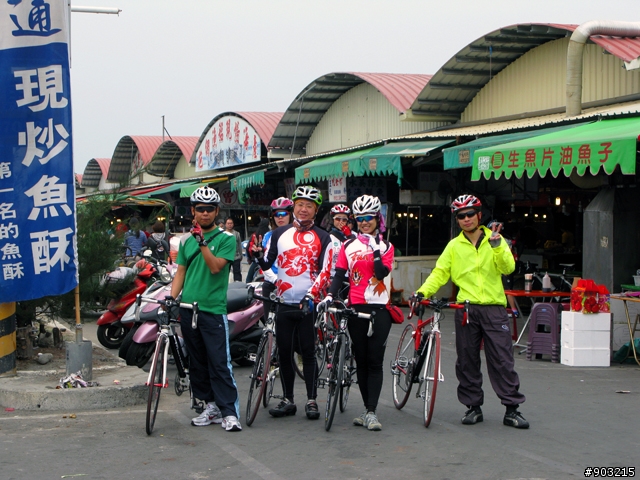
(203, 276)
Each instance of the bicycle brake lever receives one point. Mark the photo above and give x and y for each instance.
(194, 317)
(465, 315)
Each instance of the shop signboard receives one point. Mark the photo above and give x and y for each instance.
(230, 142)
(37, 203)
(337, 190)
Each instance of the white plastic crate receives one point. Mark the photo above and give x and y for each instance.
(584, 338)
(585, 357)
(576, 321)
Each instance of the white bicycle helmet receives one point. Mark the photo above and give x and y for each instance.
(308, 193)
(340, 208)
(366, 204)
(465, 201)
(205, 194)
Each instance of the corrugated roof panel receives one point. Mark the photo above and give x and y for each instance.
(95, 169)
(128, 149)
(167, 156)
(310, 105)
(453, 87)
(264, 123)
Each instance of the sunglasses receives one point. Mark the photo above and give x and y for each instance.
(341, 219)
(205, 208)
(281, 214)
(462, 216)
(365, 218)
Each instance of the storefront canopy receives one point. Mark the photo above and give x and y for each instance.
(187, 190)
(170, 188)
(242, 182)
(606, 144)
(461, 156)
(383, 160)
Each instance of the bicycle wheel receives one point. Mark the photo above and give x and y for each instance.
(155, 386)
(321, 349)
(258, 377)
(334, 381)
(271, 375)
(347, 377)
(430, 377)
(402, 367)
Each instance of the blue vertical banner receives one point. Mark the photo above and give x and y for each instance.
(38, 254)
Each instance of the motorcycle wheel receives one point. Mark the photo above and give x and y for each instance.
(126, 343)
(111, 336)
(139, 354)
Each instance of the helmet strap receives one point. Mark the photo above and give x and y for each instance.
(302, 226)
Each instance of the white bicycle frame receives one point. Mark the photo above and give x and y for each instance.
(431, 335)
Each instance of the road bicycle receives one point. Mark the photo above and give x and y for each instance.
(265, 367)
(417, 359)
(167, 342)
(341, 366)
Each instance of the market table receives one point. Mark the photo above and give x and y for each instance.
(533, 294)
(630, 297)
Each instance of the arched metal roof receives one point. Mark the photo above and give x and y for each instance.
(308, 108)
(96, 169)
(126, 151)
(164, 160)
(78, 179)
(264, 123)
(453, 87)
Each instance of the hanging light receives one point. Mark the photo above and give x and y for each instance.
(513, 208)
(558, 201)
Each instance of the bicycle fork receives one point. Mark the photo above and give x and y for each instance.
(150, 380)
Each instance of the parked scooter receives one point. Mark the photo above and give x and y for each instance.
(111, 331)
(244, 315)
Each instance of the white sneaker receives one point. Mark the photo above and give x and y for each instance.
(371, 422)
(211, 414)
(231, 424)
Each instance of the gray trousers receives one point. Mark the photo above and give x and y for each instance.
(491, 324)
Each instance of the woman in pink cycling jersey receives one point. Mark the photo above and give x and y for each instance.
(366, 261)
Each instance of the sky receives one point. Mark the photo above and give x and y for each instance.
(190, 60)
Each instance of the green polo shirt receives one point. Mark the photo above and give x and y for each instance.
(200, 285)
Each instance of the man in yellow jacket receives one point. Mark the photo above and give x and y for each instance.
(475, 261)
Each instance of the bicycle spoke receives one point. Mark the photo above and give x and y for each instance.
(155, 384)
(430, 377)
(348, 373)
(259, 377)
(402, 367)
(333, 382)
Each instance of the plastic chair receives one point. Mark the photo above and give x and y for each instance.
(544, 331)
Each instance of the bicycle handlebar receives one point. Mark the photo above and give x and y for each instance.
(192, 306)
(350, 312)
(434, 304)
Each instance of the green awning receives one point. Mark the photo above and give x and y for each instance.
(341, 165)
(187, 190)
(382, 160)
(242, 182)
(386, 160)
(170, 188)
(461, 156)
(606, 144)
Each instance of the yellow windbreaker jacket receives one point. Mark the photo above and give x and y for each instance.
(476, 272)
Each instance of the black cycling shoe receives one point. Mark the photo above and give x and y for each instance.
(515, 419)
(311, 409)
(284, 409)
(472, 416)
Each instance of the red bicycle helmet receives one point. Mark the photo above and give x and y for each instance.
(465, 201)
(282, 203)
(340, 208)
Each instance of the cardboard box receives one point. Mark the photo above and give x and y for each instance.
(585, 357)
(585, 339)
(577, 321)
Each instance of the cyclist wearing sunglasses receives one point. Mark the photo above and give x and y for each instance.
(203, 261)
(302, 250)
(475, 260)
(366, 261)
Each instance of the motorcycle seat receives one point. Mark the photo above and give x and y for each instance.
(237, 299)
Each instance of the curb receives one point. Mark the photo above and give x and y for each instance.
(38, 392)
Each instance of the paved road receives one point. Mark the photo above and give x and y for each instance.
(578, 420)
